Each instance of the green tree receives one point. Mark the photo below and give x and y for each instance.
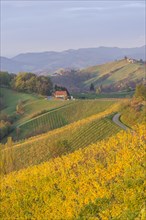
(92, 87)
(29, 82)
(5, 79)
(44, 85)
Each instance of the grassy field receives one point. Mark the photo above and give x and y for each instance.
(33, 104)
(102, 181)
(72, 112)
(11, 99)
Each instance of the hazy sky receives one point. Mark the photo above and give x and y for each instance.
(34, 26)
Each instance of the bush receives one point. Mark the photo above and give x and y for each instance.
(20, 108)
(140, 91)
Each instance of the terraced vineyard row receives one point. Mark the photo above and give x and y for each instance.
(48, 121)
(61, 141)
(93, 132)
(63, 116)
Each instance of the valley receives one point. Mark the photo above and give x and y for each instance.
(72, 110)
(75, 151)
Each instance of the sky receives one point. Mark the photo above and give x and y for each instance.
(37, 26)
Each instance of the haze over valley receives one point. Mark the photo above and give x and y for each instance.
(49, 62)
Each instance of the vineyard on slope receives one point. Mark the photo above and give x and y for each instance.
(63, 116)
(114, 72)
(56, 144)
(102, 181)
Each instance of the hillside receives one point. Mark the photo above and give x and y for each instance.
(116, 72)
(133, 112)
(113, 76)
(102, 181)
(48, 62)
(33, 104)
(72, 111)
(13, 66)
(59, 141)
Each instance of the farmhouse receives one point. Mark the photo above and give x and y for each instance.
(61, 95)
(131, 60)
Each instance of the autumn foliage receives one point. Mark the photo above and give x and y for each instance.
(102, 181)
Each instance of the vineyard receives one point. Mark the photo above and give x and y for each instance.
(60, 117)
(102, 181)
(58, 142)
(114, 72)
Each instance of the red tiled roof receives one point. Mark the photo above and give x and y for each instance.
(61, 93)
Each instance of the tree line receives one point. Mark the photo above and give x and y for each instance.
(27, 82)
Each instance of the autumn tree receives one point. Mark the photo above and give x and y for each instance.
(140, 91)
(20, 107)
(31, 83)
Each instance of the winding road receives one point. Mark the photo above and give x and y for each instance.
(118, 122)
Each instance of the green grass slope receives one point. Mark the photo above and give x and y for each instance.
(33, 104)
(11, 99)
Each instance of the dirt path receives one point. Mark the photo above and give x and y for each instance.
(118, 122)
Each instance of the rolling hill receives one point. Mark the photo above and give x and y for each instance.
(55, 143)
(41, 115)
(71, 112)
(13, 66)
(48, 62)
(113, 76)
(85, 169)
(33, 104)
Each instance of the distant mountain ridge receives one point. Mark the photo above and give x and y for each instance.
(49, 62)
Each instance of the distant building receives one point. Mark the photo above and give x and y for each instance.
(131, 60)
(61, 95)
